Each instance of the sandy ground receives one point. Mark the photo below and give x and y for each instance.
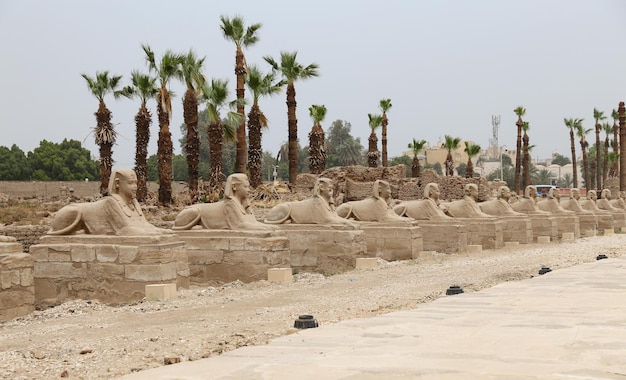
(85, 339)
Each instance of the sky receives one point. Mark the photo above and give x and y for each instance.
(448, 66)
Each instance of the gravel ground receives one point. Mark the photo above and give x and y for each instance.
(85, 339)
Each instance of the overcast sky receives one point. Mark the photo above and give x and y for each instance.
(447, 66)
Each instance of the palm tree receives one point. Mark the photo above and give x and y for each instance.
(471, 150)
(292, 71)
(349, 152)
(317, 147)
(608, 129)
(598, 116)
(571, 125)
(373, 154)
(526, 158)
(216, 94)
(581, 132)
(260, 85)
(416, 146)
(622, 147)
(165, 70)
(235, 30)
(520, 112)
(384, 105)
(613, 160)
(143, 87)
(451, 143)
(616, 142)
(191, 70)
(104, 132)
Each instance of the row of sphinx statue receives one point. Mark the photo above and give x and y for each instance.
(120, 214)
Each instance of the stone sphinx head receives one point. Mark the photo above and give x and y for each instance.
(504, 193)
(123, 182)
(381, 189)
(592, 195)
(530, 192)
(606, 194)
(431, 190)
(574, 193)
(237, 186)
(324, 188)
(471, 190)
(554, 193)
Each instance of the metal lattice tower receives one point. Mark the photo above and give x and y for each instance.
(493, 141)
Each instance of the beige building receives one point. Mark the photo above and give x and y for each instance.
(438, 153)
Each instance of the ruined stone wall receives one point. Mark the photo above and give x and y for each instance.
(26, 235)
(17, 286)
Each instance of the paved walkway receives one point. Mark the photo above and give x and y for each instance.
(566, 324)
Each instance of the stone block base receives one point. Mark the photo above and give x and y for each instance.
(447, 236)
(543, 239)
(112, 269)
(282, 275)
(392, 241)
(17, 286)
(544, 225)
(511, 244)
(588, 224)
(568, 237)
(516, 229)
(474, 248)
(158, 292)
(609, 232)
(619, 221)
(605, 222)
(221, 256)
(367, 263)
(327, 249)
(567, 224)
(487, 232)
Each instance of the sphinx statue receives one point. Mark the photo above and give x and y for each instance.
(573, 203)
(231, 213)
(500, 206)
(528, 203)
(467, 207)
(604, 203)
(319, 209)
(590, 203)
(423, 209)
(119, 213)
(551, 203)
(376, 208)
(618, 202)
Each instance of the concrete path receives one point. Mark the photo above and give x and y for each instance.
(566, 324)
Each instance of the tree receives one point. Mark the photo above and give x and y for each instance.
(403, 160)
(191, 73)
(526, 157)
(104, 132)
(416, 146)
(615, 143)
(384, 105)
(544, 176)
(581, 132)
(520, 112)
(373, 154)
(13, 164)
(572, 125)
(216, 94)
(559, 159)
(598, 116)
(292, 71)
(451, 143)
(317, 148)
(260, 84)
(566, 180)
(343, 148)
(166, 69)
(461, 170)
(622, 147)
(608, 130)
(234, 30)
(143, 87)
(508, 174)
(472, 150)
(67, 161)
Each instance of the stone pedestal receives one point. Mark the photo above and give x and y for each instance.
(392, 241)
(517, 229)
(17, 286)
(567, 224)
(483, 231)
(588, 224)
(327, 249)
(221, 256)
(605, 221)
(112, 269)
(619, 220)
(544, 225)
(447, 236)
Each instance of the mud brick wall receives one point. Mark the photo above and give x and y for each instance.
(26, 235)
(17, 286)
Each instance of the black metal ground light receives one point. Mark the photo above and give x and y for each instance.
(601, 257)
(454, 289)
(305, 321)
(544, 270)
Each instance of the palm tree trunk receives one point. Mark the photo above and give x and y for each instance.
(622, 147)
(292, 123)
(605, 163)
(164, 152)
(317, 153)
(585, 164)
(615, 166)
(215, 134)
(574, 163)
(143, 119)
(526, 161)
(449, 165)
(372, 151)
(192, 142)
(255, 158)
(104, 129)
(518, 155)
(384, 139)
(415, 167)
(469, 170)
(598, 175)
(240, 72)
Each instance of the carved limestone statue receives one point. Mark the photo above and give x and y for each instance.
(231, 213)
(319, 209)
(423, 209)
(604, 203)
(500, 206)
(552, 203)
(119, 213)
(573, 204)
(467, 207)
(376, 208)
(590, 203)
(528, 203)
(618, 202)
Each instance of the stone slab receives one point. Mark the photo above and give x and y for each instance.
(516, 229)
(281, 275)
(446, 236)
(159, 292)
(392, 241)
(366, 263)
(487, 232)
